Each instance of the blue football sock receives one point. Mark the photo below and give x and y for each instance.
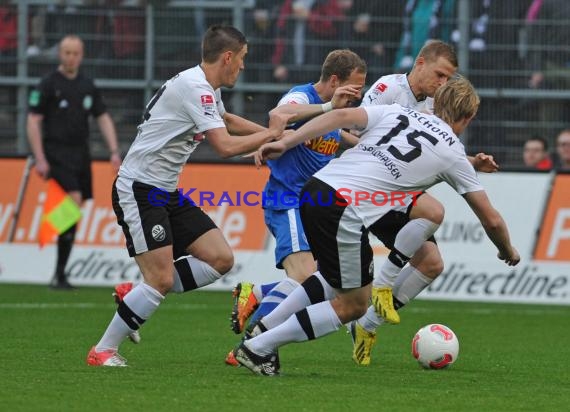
(275, 296)
(266, 288)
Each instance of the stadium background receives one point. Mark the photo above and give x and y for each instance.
(513, 357)
(132, 46)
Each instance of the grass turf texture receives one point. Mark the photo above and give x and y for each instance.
(512, 357)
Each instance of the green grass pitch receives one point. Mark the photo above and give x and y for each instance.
(512, 358)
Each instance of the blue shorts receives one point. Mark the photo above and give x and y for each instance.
(286, 227)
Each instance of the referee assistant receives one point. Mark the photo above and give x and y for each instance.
(58, 132)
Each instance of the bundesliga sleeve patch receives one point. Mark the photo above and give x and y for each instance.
(207, 99)
(208, 104)
(381, 87)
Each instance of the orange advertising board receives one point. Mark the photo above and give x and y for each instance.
(218, 189)
(554, 237)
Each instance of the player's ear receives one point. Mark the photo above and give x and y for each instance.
(228, 56)
(334, 81)
(420, 60)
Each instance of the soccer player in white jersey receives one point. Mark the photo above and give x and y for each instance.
(397, 283)
(401, 152)
(175, 244)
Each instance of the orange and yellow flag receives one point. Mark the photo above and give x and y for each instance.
(60, 213)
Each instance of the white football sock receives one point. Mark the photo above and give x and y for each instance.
(322, 320)
(257, 292)
(140, 303)
(408, 240)
(370, 320)
(191, 273)
(409, 283)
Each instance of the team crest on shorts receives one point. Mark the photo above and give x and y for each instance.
(158, 233)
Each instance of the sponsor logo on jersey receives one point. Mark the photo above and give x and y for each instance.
(323, 145)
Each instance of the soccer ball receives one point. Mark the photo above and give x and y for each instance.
(435, 346)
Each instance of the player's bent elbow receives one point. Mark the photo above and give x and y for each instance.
(492, 224)
(224, 152)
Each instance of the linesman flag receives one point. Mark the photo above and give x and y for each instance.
(60, 213)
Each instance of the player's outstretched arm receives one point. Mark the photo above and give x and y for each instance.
(494, 226)
(343, 95)
(227, 145)
(353, 118)
(240, 126)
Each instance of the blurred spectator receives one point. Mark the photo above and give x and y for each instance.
(424, 20)
(306, 31)
(8, 53)
(494, 42)
(547, 22)
(8, 37)
(126, 20)
(563, 150)
(535, 154)
(177, 38)
(548, 56)
(52, 22)
(374, 33)
(261, 31)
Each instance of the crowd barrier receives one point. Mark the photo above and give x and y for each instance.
(536, 208)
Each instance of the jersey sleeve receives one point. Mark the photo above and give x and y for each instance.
(462, 177)
(375, 115)
(294, 98)
(220, 103)
(201, 105)
(99, 106)
(380, 93)
(39, 97)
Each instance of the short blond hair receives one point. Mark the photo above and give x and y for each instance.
(456, 100)
(434, 49)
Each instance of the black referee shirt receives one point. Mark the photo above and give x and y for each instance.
(66, 105)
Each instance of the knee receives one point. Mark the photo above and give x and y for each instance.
(359, 309)
(428, 208)
(347, 311)
(163, 284)
(224, 262)
(437, 213)
(431, 265)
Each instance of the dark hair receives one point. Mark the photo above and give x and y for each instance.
(219, 39)
(342, 63)
(538, 139)
(437, 48)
